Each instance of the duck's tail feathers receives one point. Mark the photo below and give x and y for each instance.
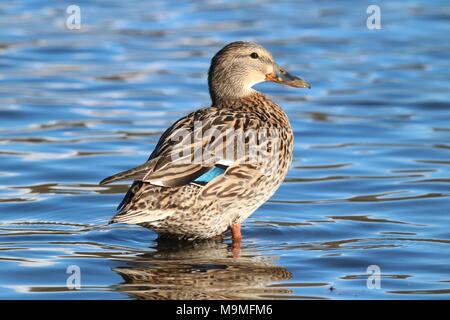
(139, 217)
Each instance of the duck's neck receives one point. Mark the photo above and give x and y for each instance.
(226, 91)
(257, 103)
(229, 85)
(232, 98)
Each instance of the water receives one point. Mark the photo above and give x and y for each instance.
(369, 183)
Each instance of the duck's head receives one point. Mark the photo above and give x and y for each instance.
(238, 66)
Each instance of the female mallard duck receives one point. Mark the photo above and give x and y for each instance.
(213, 168)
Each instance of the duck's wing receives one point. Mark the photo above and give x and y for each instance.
(171, 162)
(179, 157)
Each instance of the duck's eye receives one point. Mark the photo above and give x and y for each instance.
(254, 55)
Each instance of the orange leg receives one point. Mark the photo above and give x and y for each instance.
(236, 236)
(236, 232)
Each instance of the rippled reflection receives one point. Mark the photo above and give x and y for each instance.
(207, 270)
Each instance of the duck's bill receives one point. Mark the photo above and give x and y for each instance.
(282, 76)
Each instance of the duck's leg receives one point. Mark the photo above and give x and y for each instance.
(236, 235)
(236, 232)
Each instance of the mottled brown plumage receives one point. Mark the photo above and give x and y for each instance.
(200, 179)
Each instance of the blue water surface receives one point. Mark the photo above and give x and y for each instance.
(369, 185)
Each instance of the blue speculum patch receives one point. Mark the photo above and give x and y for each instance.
(210, 174)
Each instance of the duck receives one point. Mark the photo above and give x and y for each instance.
(217, 165)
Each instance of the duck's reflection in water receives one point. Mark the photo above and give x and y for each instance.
(206, 270)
